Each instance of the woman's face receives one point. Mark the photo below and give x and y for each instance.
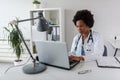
(82, 27)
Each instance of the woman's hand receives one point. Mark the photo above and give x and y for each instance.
(76, 58)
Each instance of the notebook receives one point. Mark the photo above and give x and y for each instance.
(108, 62)
(54, 53)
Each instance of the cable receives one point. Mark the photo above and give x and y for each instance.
(16, 66)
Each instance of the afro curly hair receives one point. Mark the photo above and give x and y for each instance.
(84, 15)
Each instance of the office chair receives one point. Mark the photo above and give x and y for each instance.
(105, 51)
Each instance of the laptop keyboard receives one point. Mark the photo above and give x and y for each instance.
(73, 63)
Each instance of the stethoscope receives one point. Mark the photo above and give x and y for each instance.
(90, 38)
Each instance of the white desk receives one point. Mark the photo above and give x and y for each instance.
(115, 44)
(53, 73)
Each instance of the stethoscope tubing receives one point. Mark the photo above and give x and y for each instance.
(90, 38)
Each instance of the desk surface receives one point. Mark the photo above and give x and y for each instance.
(53, 73)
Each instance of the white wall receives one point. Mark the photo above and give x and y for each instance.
(106, 14)
(10, 9)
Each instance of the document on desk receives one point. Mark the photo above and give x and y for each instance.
(108, 62)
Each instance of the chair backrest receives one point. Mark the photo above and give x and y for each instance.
(105, 51)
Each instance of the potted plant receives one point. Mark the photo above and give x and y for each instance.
(36, 3)
(14, 40)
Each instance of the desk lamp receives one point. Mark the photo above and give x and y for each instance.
(34, 67)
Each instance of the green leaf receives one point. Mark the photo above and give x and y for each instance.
(6, 29)
(14, 39)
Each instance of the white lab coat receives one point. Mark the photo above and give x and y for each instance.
(92, 49)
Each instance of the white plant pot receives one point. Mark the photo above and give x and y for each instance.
(16, 63)
(36, 6)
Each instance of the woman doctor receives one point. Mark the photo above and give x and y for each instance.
(87, 42)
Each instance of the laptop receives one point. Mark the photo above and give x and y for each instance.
(54, 53)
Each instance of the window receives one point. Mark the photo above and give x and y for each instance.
(6, 50)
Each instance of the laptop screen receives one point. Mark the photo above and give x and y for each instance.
(53, 53)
